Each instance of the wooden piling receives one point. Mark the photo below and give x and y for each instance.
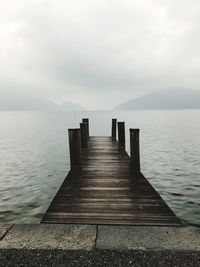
(84, 134)
(86, 120)
(114, 128)
(75, 147)
(135, 150)
(121, 134)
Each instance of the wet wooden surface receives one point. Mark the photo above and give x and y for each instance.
(106, 191)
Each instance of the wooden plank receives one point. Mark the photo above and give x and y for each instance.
(105, 190)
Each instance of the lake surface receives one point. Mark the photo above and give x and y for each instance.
(34, 157)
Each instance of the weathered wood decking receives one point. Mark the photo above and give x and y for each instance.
(104, 190)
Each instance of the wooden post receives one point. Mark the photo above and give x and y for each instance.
(84, 134)
(121, 134)
(135, 149)
(114, 128)
(75, 147)
(87, 122)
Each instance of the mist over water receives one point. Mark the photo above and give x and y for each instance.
(34, 157)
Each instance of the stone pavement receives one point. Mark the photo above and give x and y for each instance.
(98, 245)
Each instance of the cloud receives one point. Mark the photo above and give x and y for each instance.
(98, 53)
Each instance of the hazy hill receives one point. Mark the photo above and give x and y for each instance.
(171, 98)
(29, 103)
(71, 106)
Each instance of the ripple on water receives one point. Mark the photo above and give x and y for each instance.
(177, 194)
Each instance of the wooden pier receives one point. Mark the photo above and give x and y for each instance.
(105, 185)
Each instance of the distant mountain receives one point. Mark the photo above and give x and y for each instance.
(71, 106)
(171, 98)
(39, 104)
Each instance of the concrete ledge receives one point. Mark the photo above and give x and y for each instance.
(148, 238)
(87, 245)
(4, 228)
(44, 236)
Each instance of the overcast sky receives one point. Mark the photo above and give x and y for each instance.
(98, 53)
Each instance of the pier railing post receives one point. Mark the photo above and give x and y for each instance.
(114, 128)
(75, 147)
(86, 120)
(84, 134)
(121, 134)
(135, 149)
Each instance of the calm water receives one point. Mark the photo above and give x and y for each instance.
(34, 157)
